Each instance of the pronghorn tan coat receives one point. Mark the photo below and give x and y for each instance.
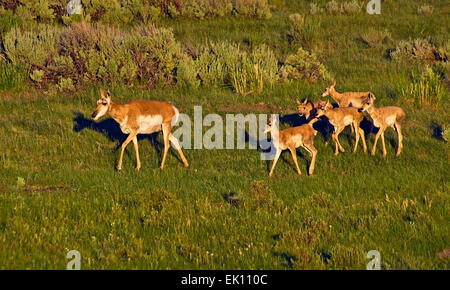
(341, 118)
(383, 118)
(346, 99)
(141, 117)
(292, 138)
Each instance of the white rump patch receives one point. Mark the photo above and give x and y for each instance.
(298, 140)
(149, 124)
(348, 120)
(390, 120)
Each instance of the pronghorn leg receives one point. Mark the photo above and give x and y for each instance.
(178, 147)
(136, 149)
(400, 138)
(376, 140)
(363, 139)
(384, 145)
(130, 137)
(313, 151)
(277, 155)
(294, 156)
(166, 131)
(336, 151)
(337, 139)
(356, 136)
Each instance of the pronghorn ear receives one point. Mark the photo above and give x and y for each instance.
(102, 93)
(305, 101)
(334, 84)
(108, 94)
(298, 102)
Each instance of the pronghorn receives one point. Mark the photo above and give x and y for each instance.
(141, 117)
(382, 118)
(292, 138)
(346, 99)
(341, 118)
(308, 109)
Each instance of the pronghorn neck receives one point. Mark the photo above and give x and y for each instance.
(335, 95)
(275, 133)
(313, 121)
(115, 111)
(371, 110)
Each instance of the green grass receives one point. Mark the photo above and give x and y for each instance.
(73, 198)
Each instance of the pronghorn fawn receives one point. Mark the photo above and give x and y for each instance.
(382, 118)
(341, 118)
(141, 117)
(308, 108)
(292, 138)
(346, 99)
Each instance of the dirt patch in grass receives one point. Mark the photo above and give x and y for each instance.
(444, 254)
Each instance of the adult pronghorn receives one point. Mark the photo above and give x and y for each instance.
(341, 118)
(141, 117)
(292, 138)
(382, 118)
(346, 99)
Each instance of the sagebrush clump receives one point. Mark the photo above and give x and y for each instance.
(304, 65)
(374, 38)
(131, 12)
(333, 7)
(419, 49)
(88, 54)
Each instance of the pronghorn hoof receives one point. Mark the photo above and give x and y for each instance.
(137, 168)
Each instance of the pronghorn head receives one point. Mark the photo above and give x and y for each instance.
(270, 124)
(323, 108)
(302, 108)
(325, 105)
(328, 90)
(102, 105)
(368, 102)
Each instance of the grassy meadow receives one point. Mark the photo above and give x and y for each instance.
(60, 190)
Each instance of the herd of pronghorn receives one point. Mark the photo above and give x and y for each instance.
(146, 117)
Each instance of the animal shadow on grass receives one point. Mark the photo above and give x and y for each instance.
(112, 131)
(437, 131)
(287, 259)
